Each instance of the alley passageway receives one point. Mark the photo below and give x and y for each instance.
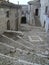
(23, 20)
(30, 47)
(24, 32)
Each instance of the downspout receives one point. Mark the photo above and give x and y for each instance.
(30, 13)
(18, 16)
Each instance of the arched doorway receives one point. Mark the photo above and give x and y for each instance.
(8, 25)
(23, 20)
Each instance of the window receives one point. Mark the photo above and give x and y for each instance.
(22, 12)
(7, 14)
(46, 9)
(16, 14)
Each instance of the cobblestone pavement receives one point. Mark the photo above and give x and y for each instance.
(31, 48)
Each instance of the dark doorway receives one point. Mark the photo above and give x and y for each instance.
(36, 12)
(44, 24)
(8, 25)
(23, 20)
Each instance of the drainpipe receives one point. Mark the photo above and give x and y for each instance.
(30, 13)
(17, 19)
(18, 16)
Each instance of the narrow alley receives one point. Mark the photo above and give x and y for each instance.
(24, 33)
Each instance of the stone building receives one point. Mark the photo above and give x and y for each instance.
(33, 9)
(24, 13)
(44, 13)
(10, 15)
(40, 9)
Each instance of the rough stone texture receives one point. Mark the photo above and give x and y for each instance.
(37, 53)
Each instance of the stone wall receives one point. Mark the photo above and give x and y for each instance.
(31, 10)
(43, 3)
(19, 17)
(3, 20)
(13, 19)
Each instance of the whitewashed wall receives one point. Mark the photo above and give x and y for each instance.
(43, 3)
(31, 10)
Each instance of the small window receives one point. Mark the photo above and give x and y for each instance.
(16, 14)
(46, 9)
(36, 12)
(7, 14)
(22, 12)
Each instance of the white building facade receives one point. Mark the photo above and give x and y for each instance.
(43, 12)
(33, 5)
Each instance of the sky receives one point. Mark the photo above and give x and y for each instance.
(20, 1)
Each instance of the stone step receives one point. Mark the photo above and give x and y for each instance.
(7, 60)
(13, 43)
(5, 49)
(16, 32)
(21, 40)
(20, 54)
(12, 52)
(4, 59)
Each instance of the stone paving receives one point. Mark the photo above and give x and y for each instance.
(32, 48)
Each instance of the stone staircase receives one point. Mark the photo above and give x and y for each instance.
(15, 53)
(18, 50)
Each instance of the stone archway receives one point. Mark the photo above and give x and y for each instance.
(23, 20)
